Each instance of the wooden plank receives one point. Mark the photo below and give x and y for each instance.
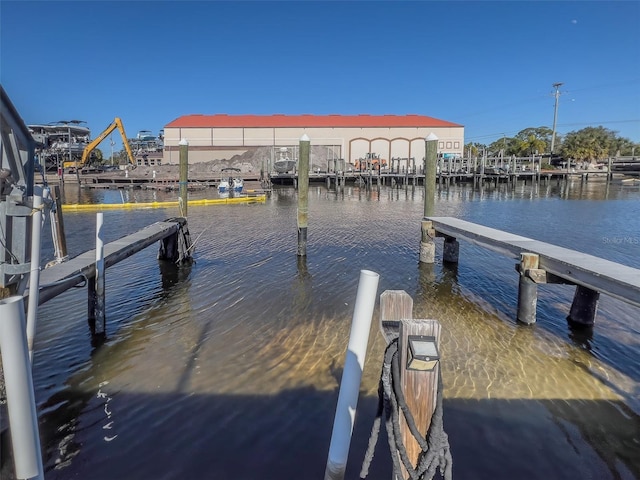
(61, 277)
(617, 280)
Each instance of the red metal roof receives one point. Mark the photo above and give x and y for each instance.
(307, 121)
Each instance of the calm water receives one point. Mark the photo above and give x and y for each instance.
(230, 368)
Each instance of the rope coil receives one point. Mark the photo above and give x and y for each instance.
(435, 448)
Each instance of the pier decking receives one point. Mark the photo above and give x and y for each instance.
(541, 262)
(59, 278)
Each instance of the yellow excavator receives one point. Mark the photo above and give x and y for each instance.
(86, 154)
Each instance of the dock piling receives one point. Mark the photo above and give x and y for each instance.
(451, 250)
(184, 176)
(527, 289)
(427, 244)
(303, 194)
(584, 306)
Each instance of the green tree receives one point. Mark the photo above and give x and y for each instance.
(589, 144)
(623, 147)
(534, 140)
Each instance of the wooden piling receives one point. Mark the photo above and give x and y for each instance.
(527, 289)
(184, 176)
(420, 388)
(427, 242)
(303, 194)
(451, 250)
(584, 307)
(59, 239)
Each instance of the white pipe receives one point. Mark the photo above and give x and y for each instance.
(34, 276)
(351, 376)
(21, 404)
(100, 302)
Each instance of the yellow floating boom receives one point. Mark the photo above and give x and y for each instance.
(172, 203)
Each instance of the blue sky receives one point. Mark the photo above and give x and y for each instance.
(487, 65)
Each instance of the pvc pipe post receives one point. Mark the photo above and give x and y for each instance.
(99, 281)
(21, 404)
(351, 376)
(34, 276)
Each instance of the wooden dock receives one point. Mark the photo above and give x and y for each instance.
(60, 277)
(542, 262)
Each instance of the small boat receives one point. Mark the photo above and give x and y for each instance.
(284, 164)
(230, 184)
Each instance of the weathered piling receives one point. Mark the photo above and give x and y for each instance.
(303, 194)
(419, 364)
(184, 176)
(57, 226)
(427, 244)
(584, 306)
(527, 289)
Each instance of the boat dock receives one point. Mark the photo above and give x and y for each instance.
(544, 263)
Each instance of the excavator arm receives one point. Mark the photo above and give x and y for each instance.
(86, 154)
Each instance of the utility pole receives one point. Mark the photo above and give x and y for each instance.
(555, 115)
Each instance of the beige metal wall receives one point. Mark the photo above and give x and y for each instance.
(207, 144)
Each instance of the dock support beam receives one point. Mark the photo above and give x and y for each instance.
(527, 289)
(584, 307)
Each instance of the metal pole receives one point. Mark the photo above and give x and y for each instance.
(21, 404)
(303, 194)
(34, 276)
(351, 376)
(555, 116)
(184, 175)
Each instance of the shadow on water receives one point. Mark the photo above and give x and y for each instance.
(288, 436)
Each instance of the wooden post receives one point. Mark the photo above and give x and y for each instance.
(527, 289)
(430, 163)
(184, 176)
(427, 245)
(395, 305)
(420, 388)
(427, 242)
(584, 306)
(303, 194)
(451, 250)
(57, 226)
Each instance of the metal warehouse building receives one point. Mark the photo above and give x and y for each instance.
(349, 137)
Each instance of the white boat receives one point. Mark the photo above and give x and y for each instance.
(284, 164)
(230, 184)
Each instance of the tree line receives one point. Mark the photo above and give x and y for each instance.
(588, 144)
